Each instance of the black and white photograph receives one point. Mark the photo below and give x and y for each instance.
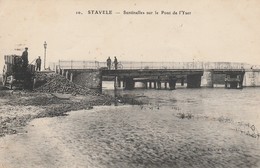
(129, 84)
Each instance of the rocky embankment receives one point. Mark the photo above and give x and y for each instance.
(54, 83)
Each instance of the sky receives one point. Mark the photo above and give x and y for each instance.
(215, 30)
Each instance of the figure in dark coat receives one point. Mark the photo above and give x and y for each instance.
(109, 63)
(25, 57)
(38, 64)
(115, 63)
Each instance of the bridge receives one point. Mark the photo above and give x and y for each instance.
(153, 65)
(153, 74)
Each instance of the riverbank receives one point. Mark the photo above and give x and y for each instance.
(17, 108)
(54, 95)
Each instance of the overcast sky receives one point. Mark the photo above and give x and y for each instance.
(216, 30)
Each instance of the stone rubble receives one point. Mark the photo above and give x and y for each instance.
(54, 83)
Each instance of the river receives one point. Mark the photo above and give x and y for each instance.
(180, 128)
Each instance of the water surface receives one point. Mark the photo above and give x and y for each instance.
(180, 128)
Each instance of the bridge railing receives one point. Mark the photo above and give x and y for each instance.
(81, 64)
(153, 65)
(161, 65)
(223, 65)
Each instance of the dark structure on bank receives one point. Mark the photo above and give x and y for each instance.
(17, 72)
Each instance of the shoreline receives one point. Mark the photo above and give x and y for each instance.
(18, 108)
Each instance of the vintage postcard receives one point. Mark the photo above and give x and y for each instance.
(134, 83)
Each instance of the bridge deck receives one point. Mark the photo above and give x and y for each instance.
(160, 72)
(151, 72)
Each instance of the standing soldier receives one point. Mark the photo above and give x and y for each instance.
(109, 63)
(38, 63)
(25, 57)
(115, 63)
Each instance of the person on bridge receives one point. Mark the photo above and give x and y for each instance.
(115, 63)
(109, 63)
(25, 57)
(38, 63)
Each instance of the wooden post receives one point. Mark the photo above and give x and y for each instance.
(182, 81)
(100, 81)
(115, 90)
(71, 77)
(159, 84)
(67, 74)
(124, 83)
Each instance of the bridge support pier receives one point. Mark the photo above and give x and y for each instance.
(146, 84)
(234, 81)
(88, 78)
(129, 83)
(159, 86)
(154, 85)
(165, 85)
(240, 85)
(182, 81)
(172, 83)
(193, 81)
(150, 84)
(207, 78)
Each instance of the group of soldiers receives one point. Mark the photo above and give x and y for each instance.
(109, 63)
(25, 60)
